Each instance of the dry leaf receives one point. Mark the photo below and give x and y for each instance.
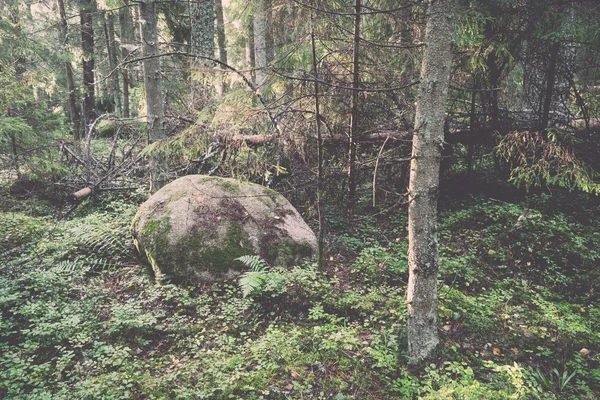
(497, 351)
(515, 350)
(294, 374)
(584, 352)
(447, 328)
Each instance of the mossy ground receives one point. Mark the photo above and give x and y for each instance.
(520, 321)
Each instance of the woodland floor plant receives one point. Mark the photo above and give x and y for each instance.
(518, 319)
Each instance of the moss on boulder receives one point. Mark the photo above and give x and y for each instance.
(194, 228)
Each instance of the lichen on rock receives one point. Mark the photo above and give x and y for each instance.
(194, 228)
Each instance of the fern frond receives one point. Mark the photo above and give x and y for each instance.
(68, 267)
(254, 262)
(103, 240)
(251, 281)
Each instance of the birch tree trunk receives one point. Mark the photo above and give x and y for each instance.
(428, 139)
(155, 112)
(72, 94)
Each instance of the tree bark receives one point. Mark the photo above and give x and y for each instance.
(221, 43)
(260, 45)
(126, 35)
(155, 113)
(549, 89)
(353, 137)
(428, 139)
(72, 94)
(88, 7)
(250, 56)
(112, 61)
(320, 211)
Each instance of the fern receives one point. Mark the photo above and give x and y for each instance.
(71, 267)
(252, 281)
(254, 262)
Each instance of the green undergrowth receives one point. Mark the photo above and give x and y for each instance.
(518, 314)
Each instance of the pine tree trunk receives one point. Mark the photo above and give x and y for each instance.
(221, 43)
(72, 94)
(250, 56)
(126, 35)
(320, 211)
(260, 45)
(549, 89)
(88, 7)
(155, 113)
(353, 137)
(428, 139)
(112, 58)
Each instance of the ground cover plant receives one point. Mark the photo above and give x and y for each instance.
(81, 318)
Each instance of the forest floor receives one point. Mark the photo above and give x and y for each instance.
(518, 308)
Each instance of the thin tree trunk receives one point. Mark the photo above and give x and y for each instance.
(472, 122)
(72, 94)
(353, 137)
(112, 61)
(221, 44)
(125, 32)
(87, 45)
(550, 80)
(250, 55)
(428, 139)
(321, 237)
(155, 113)
(260, 45)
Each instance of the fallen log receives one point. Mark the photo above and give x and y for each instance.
(81, 194)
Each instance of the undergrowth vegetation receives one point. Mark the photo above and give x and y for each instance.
(82, 319)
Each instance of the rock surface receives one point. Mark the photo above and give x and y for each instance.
(194, 228)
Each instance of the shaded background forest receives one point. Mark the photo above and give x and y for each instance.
(239, 94)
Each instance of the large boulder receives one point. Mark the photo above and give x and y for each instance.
(195, 227)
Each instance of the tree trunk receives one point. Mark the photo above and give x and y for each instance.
(353, 137)
(72, 94)
(88, 7)
(112, 61)
(155, 113)
(221, 43)
(320, 211)
(260, 45)
(250, 56)
(549, 89)
(126, 34)
(428, 139)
